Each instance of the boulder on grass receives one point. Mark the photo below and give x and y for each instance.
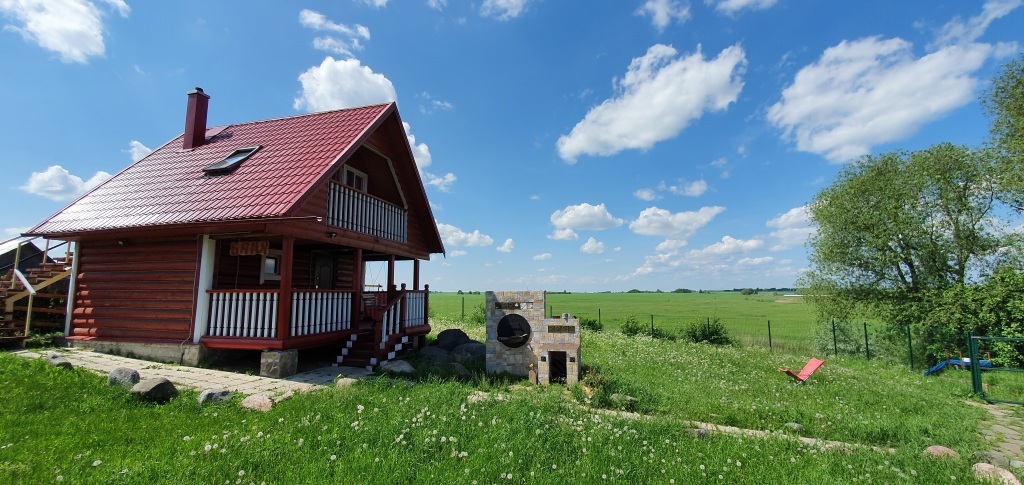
(458, 370)
(990, 472)
(258, 402)
(123, 376)
(214, 396)
(435, 355)
(158, 390)
(470, 352)
(451, 338)
(57, 360)
(398, 367)
(936, 451)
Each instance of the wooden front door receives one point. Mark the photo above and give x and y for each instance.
(323, 271)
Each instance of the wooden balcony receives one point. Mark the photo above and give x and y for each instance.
(356, 211)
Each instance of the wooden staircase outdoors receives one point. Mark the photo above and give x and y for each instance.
(23, 312)
(364, 350)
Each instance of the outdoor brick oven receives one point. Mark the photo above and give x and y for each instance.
(522, 342)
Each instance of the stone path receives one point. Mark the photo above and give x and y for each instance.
(1002, 430)
(200, 379)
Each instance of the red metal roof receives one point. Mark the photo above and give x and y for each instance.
(169, 185)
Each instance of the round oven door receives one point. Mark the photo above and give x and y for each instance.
(513, 331)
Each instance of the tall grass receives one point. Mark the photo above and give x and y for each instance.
(58, 425)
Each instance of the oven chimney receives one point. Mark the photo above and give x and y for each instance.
(195, 119)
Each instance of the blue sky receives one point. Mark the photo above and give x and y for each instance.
(565, 144)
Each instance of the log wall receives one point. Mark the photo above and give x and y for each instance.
(143, 289)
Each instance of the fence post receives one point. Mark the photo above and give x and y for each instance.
(867, 350)
(599, 317)
(910, 348)
(972, 347)
(835, 344)
(652, 325)
(769, 335)
(463, 319)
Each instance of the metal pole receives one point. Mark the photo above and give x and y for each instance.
(599, 317)
(867, 350)
(972, 346)
(652, 325)
(835, 345)
(463, 319)
(910, 348)
(769, 335)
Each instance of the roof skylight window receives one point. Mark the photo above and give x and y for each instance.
(231, 161)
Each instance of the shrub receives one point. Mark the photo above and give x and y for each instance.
(710, 330)
(631, 327)
(748, 291)
(591, 324)
(846, 339)
(662, 334)
(477, 315)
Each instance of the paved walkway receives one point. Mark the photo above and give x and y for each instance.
(198, 378)
(1003, 430)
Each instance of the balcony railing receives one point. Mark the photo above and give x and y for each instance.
(356, 211)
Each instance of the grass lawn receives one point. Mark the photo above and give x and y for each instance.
(69, 426)
(746, 317)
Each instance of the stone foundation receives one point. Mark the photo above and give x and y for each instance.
(279, 363)
(185, 354)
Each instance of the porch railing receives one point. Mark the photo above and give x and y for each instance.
(353, 210)
(254, 313)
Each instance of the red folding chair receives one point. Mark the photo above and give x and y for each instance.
(812, 365)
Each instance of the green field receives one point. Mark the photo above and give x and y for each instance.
(746, 317)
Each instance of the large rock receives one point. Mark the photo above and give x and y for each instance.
(158, 390)
(990, 472)
(398, 367)
(258, 402)
(472, 351)
(451, 338)
(279, 363)
(123, 376)
(57, 360)
(937, 451)
(992, 457)
(458, 370)
(214, 396)
(435, 355)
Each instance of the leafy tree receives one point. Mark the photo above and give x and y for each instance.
(896, 229)
(1005, 103)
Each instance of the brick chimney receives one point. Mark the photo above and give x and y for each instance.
(195, 119)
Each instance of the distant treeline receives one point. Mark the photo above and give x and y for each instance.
(745, 291)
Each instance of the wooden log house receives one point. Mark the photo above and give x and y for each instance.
(254, 236)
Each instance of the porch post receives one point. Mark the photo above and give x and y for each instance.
(207, 254)
(415, 275)
(284, 303)
(357, 285)
(391, 275)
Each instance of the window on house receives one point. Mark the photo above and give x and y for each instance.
(271, 266)
(355, 179)
(231, 161)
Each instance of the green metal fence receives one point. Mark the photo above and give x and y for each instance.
(981, 388)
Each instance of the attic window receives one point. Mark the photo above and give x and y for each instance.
(231, 161)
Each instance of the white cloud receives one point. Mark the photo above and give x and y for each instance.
(564, 235)
(454, 236)
(376, 3)
(670, 245)
(592, 246)
(351, 36)
(542, 257)
(728, 245)
(662, 12)
(659, 96)
(437, 4)
(71, 28)
(689, 189)
(56, 183)
(442, 183)
(343, 83)
(507, 246)
(503, 9)
(792, 228)
(754, 261)
(645, 194)
(137, 150)
(711, 260)
(653, 221)
(959, 31)
(870, 91)
(585, 217)
(13, 232)
(457, 253)
(730, 7)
